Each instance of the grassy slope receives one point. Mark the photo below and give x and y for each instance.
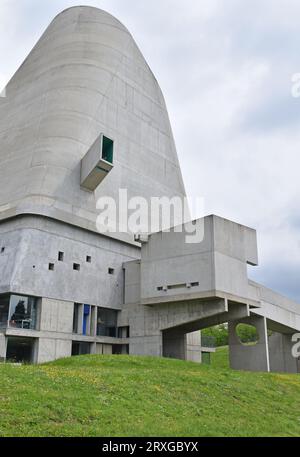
(220, 358)
(137, 396)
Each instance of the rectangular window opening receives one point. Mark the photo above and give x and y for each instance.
(20, 350)
(76, 266)
(107, 322)
(89, 259)
(23, 312)
(61, 256)
(111, 271)
(107, 149)
(51, 266)
(76, 316)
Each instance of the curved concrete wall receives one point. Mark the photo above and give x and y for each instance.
(85, 76)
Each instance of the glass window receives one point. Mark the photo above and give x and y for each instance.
(22, 312)
(20, 350)
(107, 149)
(107, 322)
(86, 316)
(4, 309)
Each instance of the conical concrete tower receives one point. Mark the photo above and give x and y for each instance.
(84, 81)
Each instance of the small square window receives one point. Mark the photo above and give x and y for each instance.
(89, 259)
(61, 256)
(111, 271)
(2, 249)
(51, 266)
(76, 266)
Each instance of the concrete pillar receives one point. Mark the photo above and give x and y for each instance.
(2, 347)
(280, 354)
(80, 319)
(193, 341)
(93, 348)
(174, 344)
(93, 326)
(249, 357)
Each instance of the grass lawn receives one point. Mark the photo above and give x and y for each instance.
(220, 359)
(145, 396)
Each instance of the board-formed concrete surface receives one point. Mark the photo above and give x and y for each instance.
(67, 289)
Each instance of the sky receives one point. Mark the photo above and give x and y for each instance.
(225, 68)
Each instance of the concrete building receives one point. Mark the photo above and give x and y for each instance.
(82, 118)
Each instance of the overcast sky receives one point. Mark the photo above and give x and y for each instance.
(225, 68)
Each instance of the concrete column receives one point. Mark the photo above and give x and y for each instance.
(93, 320)
(2, 347)
(174, 344)
(249, 357)
(193, 341)
(80, 319)
(280, 354)
(93, 348)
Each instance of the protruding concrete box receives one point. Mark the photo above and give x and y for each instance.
(179, 288)
(172, 269)
(97, 163)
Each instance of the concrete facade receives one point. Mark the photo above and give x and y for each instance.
(66, 286)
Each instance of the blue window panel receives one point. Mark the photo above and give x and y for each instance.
(86, 313)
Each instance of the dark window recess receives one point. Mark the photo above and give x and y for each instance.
(88, 259)
(51, 266)
(2, 249)
(76, 317)
(79, 348)
(20, 350)
(111, 271)
(107, 322)
(123, 332)
(61, 256)
(107, 149)
(119, 349)
(76, 266)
